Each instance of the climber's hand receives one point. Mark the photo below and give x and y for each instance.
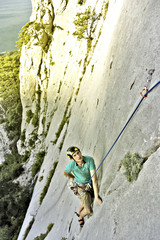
(99, 200)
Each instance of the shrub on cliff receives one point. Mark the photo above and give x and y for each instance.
(14, 199)
(29, 115)
(38, 162)
(10, 93)
(85, 24)
(132, 164)
(37, 32)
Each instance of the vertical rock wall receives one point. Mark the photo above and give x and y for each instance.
(83, 93)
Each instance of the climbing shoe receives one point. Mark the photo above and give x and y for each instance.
(81, 222)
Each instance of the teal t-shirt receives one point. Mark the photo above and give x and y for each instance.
(82, 175)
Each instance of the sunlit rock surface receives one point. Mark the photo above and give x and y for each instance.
(83, 94)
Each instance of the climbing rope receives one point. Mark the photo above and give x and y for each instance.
(147, 92)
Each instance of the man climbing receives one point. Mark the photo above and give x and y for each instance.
(80, 170)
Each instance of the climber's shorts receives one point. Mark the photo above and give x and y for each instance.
(85, 198)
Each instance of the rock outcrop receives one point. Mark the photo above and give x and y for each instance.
(79, 87)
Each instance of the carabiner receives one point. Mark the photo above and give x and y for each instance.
(146, 86)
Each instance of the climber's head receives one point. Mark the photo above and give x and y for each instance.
(71, 151)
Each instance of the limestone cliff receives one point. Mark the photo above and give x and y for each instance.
(79, 85)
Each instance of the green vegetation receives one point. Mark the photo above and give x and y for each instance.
(38, 162)
(105, 10)
(41, 178)
(44, 235)
(81, 2)
(29, 115)
(92, 67)
(65, 69)
(43, 121)
(37, 31)
(23, 135)
(12, 167)
(61, 143)
(31, 143)
(9, 93)
(24, 36)
(35, 119)
(46, 126)
(82, 24)
(45, 189)
(60, 85)
(85, 24)
(77, 91)
(52, 63)
(33, 138)
(132, 164)
(14, 199)
(64, 121)
(28, 228)
(79, 63)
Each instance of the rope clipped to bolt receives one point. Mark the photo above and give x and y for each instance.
(144, 94)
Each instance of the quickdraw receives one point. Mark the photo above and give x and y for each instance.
(147, 84)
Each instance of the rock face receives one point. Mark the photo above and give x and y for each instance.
(82, 92)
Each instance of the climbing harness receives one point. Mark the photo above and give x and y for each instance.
(147, 84)
(143, 96)
(74, 187)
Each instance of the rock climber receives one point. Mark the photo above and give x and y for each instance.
(80, 170)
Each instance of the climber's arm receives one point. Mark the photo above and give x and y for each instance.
(69, 175)
(95, 187)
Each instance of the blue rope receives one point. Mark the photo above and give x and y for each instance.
(90, 181)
